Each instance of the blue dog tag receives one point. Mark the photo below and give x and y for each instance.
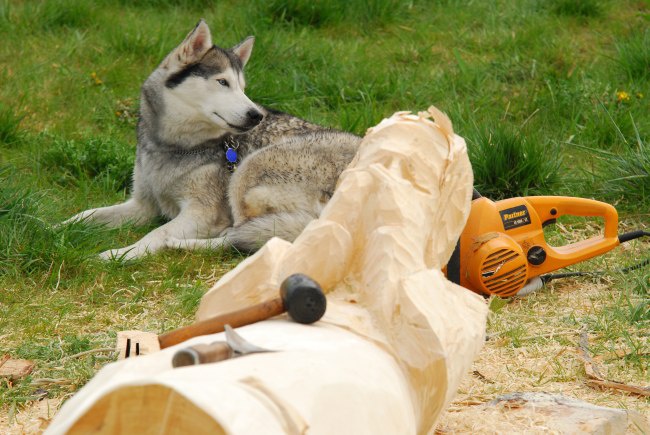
(231, 155)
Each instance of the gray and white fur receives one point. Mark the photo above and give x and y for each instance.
(193, 108)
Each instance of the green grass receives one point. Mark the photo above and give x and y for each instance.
(319, 13)
(552, 97)
(578, 8)
(10, 132)
(64, 14)
(627, 174)
(634, 55)
(98, 160)
(508, 162)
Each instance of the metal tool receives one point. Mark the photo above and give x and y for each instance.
(234, 346)
(300, 296)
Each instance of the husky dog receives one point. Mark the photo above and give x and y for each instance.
(223, 170)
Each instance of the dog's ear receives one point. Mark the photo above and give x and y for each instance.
(192, 49)
(244, 49)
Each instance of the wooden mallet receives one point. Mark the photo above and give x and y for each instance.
(300, 296)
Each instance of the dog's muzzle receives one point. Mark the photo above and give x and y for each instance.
(254, 117)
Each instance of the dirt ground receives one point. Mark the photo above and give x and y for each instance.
(545, 358)
(32, 419)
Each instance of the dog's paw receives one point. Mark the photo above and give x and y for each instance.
(121, 255)
(192, 244)
(65, 223)
(82, 217)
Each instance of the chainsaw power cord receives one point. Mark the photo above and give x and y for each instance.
(539, 281)
(626, 237)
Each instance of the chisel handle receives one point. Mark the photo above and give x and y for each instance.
(202, 354)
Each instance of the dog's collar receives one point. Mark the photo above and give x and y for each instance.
(232, 158)
(229, 144)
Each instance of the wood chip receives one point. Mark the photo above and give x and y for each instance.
(596, 379)
(482, 377)
(14, 369)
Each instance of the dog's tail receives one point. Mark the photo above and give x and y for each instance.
(252, 234)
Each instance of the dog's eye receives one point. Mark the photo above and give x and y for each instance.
(223, 82)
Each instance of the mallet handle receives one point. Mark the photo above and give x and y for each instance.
(245, 316)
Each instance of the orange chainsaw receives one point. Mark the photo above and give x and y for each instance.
(502, 250)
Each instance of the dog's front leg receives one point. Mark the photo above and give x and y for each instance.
(190, 223)
(134, 210)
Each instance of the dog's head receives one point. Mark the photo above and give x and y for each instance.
(206, 82)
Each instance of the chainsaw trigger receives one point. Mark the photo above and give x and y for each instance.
(549, 222)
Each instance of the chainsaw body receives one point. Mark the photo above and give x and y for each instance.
(503, 246)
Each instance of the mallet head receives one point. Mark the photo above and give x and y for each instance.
(303, 298)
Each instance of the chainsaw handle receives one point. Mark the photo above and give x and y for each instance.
(552, 207)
